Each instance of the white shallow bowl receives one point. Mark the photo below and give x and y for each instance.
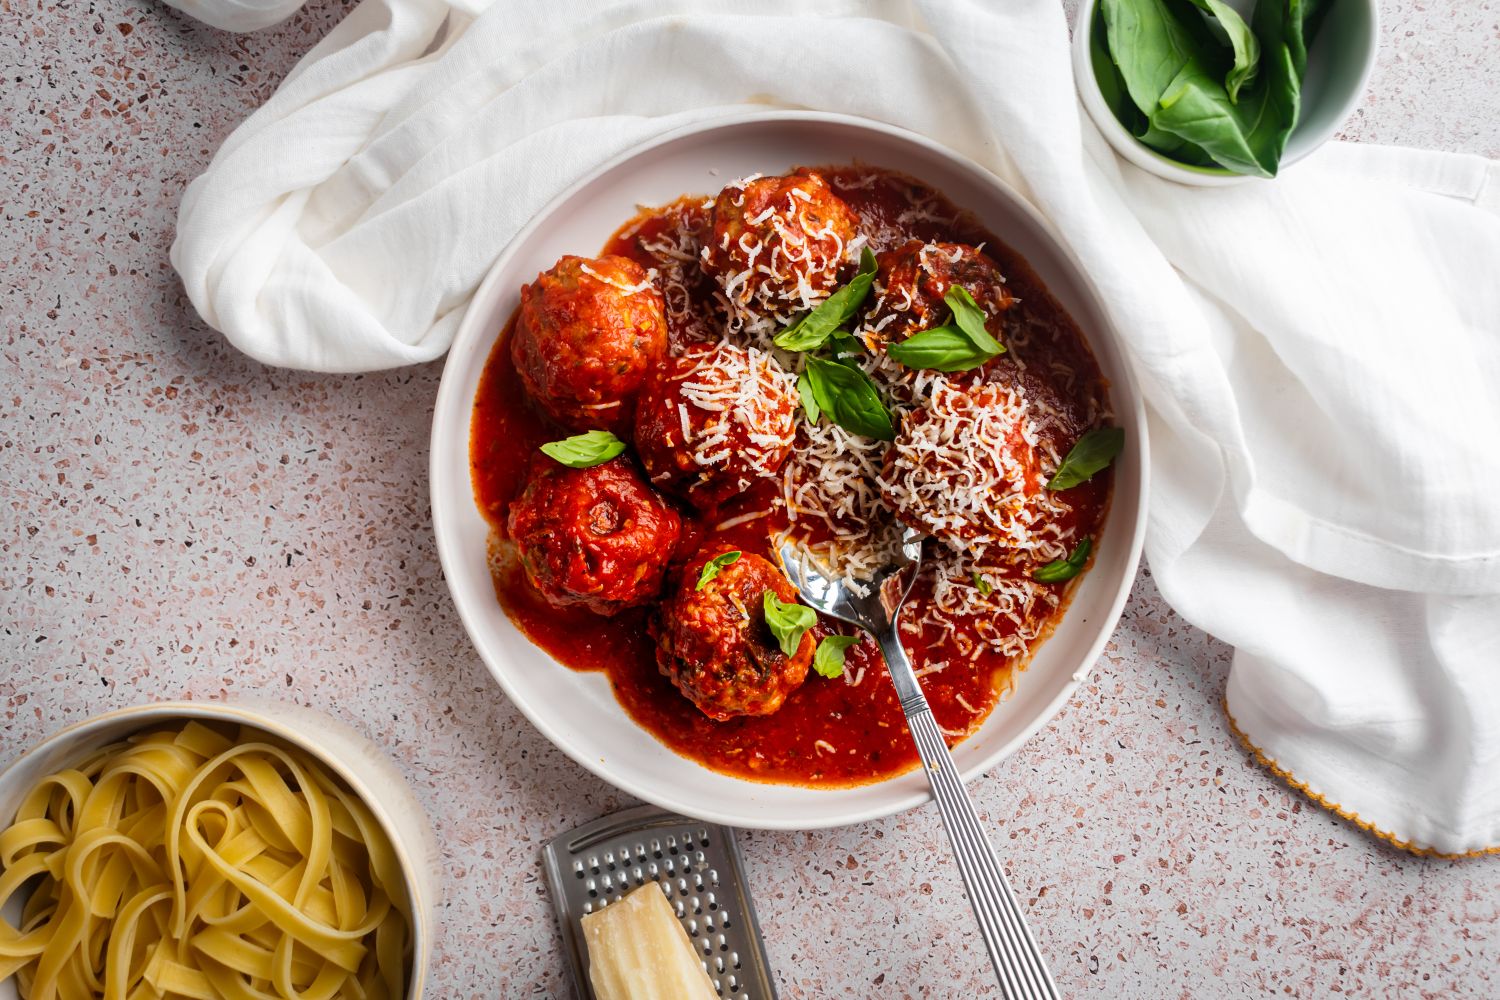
(363, 767)
(577, 711)
(1339, 65)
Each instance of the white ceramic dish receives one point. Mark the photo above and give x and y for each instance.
(577, 711)
(345, 752)
(1339, 64)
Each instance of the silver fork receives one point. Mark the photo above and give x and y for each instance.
(1018, 963)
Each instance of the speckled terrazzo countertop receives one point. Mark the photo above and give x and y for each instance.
(182, 522)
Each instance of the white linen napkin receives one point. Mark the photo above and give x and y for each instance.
(1320, 353)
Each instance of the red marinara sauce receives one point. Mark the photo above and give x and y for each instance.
(829, 732)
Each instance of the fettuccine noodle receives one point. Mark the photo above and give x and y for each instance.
(183, 863)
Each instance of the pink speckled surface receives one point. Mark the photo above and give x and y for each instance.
(180, 521)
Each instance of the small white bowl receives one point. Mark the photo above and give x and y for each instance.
(1338, 68)
(350, 756)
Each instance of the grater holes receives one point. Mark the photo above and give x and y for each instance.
(723, 943)
(734, 984)
(656, 849)
(713, 903)
(594, 863)
(734, 959)
(702, 837)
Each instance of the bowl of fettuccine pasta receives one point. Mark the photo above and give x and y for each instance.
(205, 849)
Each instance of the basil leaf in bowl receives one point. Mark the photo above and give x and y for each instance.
(1193, 81)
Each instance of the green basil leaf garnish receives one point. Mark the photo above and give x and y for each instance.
(954, 347)
(809, 401)
(809, 332)
(982, 585)
(788, 622)
(942, 348)
(969, 318)
(828, 661)
(850, 399)
(712, 567)
(1063, 570)
(584, 451)
(1094, 451)
(845, 345)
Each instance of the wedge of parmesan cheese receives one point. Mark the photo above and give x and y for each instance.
(639, 951)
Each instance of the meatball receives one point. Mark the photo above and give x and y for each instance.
(778, 245)
(588, 334)
(963, 468)
(715, 645)
(598, 537)
(912, 280)
(714, 420)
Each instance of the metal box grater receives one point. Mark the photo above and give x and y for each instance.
(697, 865)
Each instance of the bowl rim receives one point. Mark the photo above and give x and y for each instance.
(447, 543)
(1158, 163)
(422, 909)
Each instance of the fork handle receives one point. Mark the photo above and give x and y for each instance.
(1018, 962)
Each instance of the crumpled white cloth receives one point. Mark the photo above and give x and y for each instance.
(1320, 353)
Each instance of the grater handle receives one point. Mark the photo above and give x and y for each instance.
(1018, 962)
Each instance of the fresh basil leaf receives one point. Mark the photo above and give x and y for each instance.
(584, 451)
(809, 332)
(849, 398)
(1247, 137)
(1063, 570)
(828, 661)
(1117, 98)
(845, 345)
(1111, 83)
(1149, 44)
(1094, 451)
(788, 622)
(809, 401)
(1174, 69)
(942, 348)
(969, 318)
(1241, 39)
(982, 585)
(712, 567)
